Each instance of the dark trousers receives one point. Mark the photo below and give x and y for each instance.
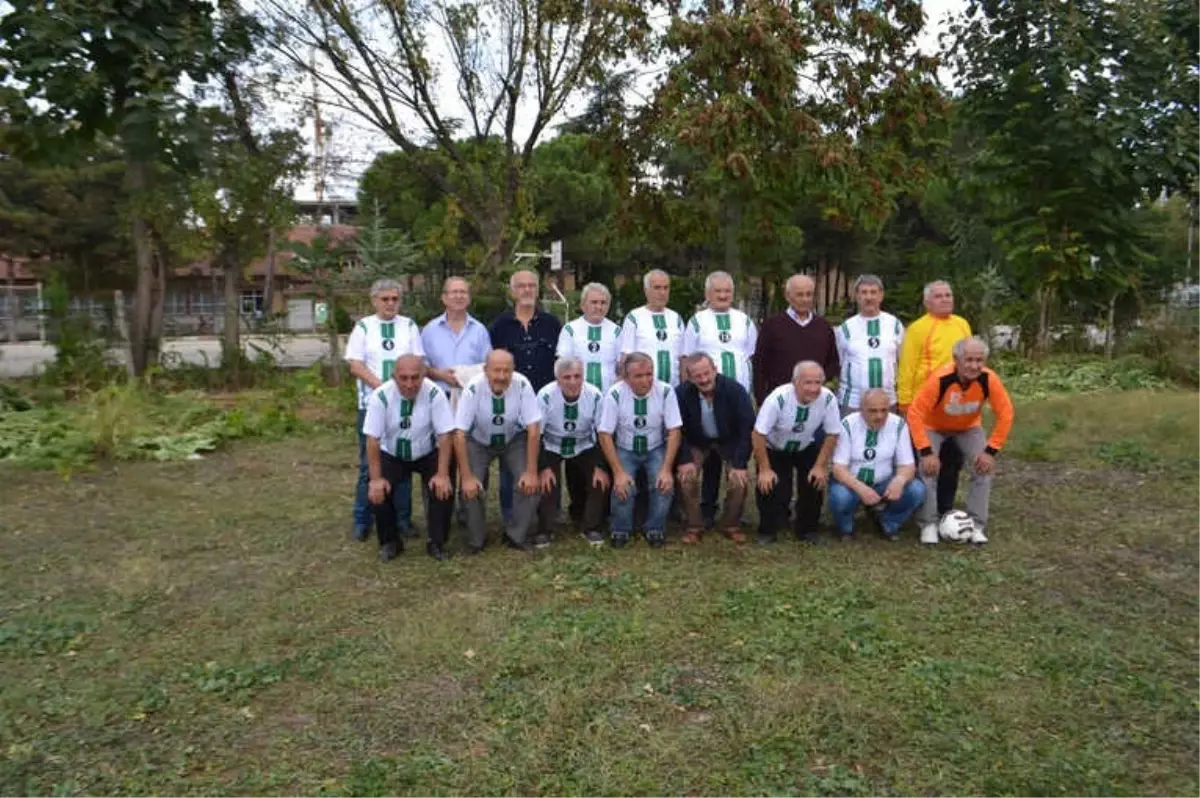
(399, 472)
(791, 468)
(587, 502)
(710, 487)
(947, 485)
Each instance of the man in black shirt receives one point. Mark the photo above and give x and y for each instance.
(531, 335)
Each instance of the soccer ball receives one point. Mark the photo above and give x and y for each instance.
(956, 526)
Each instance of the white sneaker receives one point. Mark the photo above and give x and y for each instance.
(977, 536)
(929, 533)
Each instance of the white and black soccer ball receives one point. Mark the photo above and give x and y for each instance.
(956, 526)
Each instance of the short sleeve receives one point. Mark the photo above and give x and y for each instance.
(671, 416)
(443, 419)
(691, 338)
(531, 411)
(418, 346)
(904, 447)
(464, 416)
(375, 420)
(566, 342)
(832, 422)
(609, 407)
(768, 414)
(627, 334)
(841, 454)
(356, 346)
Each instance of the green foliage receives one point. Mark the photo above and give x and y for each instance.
(1131, 453)
(1038, 380)
(81, 361)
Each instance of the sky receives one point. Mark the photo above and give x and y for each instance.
(355, 143)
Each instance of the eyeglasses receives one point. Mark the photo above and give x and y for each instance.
(388, 298)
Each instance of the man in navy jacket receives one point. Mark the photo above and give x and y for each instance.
(717, 415)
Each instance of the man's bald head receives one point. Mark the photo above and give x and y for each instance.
(498, 356)
(801, 292)
(874, 407)
(408, 373)
(499, 370)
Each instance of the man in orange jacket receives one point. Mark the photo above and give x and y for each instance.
(950, 406)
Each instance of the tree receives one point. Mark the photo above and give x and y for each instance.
(114, 69)
(512, 66)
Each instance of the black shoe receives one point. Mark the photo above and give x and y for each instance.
(811, 538)
(389, 551)
(656, 539)
(473, 551)
(541, 541)
(436, 552)
(362, 532)
(512, 544)
(595, 537)
(619, 540)
(767, 538)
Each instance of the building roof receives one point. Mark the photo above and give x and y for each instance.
(16, 268)
(300, 234)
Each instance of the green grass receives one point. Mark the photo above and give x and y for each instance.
(206, 627)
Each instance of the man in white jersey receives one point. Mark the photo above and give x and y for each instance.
(409, 430)
(375, 344)
(498, 418)
(593, 338)
(570, 411)
(655, 329)
(794, 435)
(723, 332)
(873, 465)
(639, 430)
(869, 345)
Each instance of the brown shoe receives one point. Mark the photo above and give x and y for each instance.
(735, 535)
(690, 539)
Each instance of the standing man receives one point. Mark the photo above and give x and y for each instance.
(722, 332)
(498, 419)
(570, 411)
(794, 435)
(873, 466)
(655, 329)
(717, 418)
(455, 338)
(928, 345)
(792, 336)
(593, 338)
(639, 431)
(531, 335)
(375, 344)
(950, 405)
(868, 346)
(409, 430)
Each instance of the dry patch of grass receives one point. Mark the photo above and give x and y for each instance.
(207, 627)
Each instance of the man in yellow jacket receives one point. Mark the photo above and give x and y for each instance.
(928, 344)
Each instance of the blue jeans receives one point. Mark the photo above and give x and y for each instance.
(660, 505)
(506, 494)
(401, 493)
(843, 502)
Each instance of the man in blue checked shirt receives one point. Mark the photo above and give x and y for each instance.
(455, 338)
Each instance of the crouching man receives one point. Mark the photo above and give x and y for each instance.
(498, 419)
(717, 418)
(949, 406)
(409, 430)
(794, 435)
(639, 431)
(873, 466)
(570, 411)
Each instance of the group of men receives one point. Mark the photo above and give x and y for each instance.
(644, 418)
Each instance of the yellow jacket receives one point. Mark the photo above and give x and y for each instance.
(928, 342)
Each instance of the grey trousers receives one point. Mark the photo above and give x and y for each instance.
(512, 458)
(971, 443)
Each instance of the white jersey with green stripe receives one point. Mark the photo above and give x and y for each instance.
(790, 426)
(569, 428)
(493, 420)
(597, 345)
(378, 344)
(658, 334)
(728, 337)
(408, 428)
(869, 349)
(872, 456)
(639, 423)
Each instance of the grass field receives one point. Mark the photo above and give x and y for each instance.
(208, 628)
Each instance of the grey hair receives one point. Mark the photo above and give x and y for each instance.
(696, 358)
(633, 358)
(565, 364)
(511, 286)
(455, 279)
(873, 392)
(648, 276)
(594, 287)
(928, 289)
(807, 364)
(420, 361)
(715, 277)
(960, 346)
(867, 279)
(788, 285)
(387, 284)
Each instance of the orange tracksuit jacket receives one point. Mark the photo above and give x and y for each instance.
(944, 404)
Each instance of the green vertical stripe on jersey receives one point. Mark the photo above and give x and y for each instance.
(497, 405)
(388, 367)
(594, 333)
(496, 440)
(570, 412)
(873, 327)
(592, 375)
(866, 475)
(728, 365)
(664, 365)
(722, 321)
(801, 414)
(639, 441)
(387, 331)
(872, 437)
(639, 406)
(792, 446)
(640, 444)
(660, 321)
(567, 447)
(404, 449)
(874, 372)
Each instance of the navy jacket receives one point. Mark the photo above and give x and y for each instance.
(532, 347)
(734, 416)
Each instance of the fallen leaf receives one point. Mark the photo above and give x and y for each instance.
(469, 653)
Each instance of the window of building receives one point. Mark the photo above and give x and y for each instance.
(205, 303)
(252, 302)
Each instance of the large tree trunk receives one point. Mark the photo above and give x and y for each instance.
(269, 284)
(1045, 295)
(231, 339)
(14, 307)
(1110, 332)
(143, 344)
